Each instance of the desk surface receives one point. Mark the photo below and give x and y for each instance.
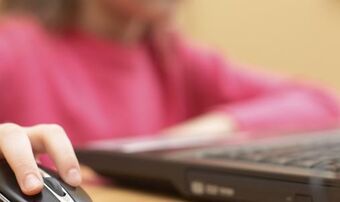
(113, 194)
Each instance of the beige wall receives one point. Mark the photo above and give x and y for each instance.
(301, 37)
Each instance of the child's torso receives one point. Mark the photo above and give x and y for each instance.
(94, 91)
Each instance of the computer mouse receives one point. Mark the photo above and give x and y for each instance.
(55, 190)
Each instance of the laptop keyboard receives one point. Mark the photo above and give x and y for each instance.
(324, 155)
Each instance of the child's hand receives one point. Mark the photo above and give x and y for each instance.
(18, 143)
(208, 124)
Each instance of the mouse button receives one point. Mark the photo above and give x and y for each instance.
(13, 193)
(46, 196)
(54, 185)
(9, 187)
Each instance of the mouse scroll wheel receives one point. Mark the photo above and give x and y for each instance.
(54, 185)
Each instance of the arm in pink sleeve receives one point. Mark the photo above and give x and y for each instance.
(259, 101)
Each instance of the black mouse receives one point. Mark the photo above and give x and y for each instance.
(55, 190)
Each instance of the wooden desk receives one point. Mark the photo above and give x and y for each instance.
(117, 194)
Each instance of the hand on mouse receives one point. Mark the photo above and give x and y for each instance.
(19, 145)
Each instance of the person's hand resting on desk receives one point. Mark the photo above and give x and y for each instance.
(19, 145)
(207, 124)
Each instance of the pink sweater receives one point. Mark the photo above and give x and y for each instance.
(100, 89)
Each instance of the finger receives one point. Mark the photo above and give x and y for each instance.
(53, 140)
(16, 148)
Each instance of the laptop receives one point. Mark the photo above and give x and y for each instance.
(239, 168)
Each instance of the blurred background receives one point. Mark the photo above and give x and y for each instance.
(298, 37)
